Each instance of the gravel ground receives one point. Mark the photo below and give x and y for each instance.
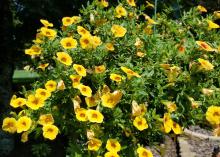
(203, 148)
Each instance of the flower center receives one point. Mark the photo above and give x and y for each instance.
(68, 44)
(63, 59)
(94, 115)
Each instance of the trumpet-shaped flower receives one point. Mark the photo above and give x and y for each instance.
(94, 116)
(205, 64)
(79, 69)
(23, 124)
(204, 46)
(111, 154)
(43, 93)
(68, 43)
(64, 58)
(120, 11)
(84, 90)
(46, 23)
(110, 100)
(213, 115)
(51, 85)
(9, 125)
(113, 145)
(50, 33)
(143, 152)
(100, 69)
(35, 102)
(17, 102)
(129, 72)
(140, 123)
(46, 119)
(50, 131)
(94, 144)
(67, 21)
(81, 114)
(75, 80)
(212, 25)
(118, 31)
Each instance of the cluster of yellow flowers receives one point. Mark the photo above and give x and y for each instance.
(25, 124)
(98, 90)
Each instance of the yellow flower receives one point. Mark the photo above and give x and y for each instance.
(96, 41)
(94, 144)
(129, 72)
(207, 91)
(24, 137)
(140, 123)
(51, 85)
(140, 54)
(150, 21)
(34, 50)
(18, 102)
(104, 3)
(43, 66)
(64, 58)
(109, 46)
(110, 100)
(177, 128)
(82, 31)
(131, 3)
(148, 29)
(76, 19)
(34, 102)
(9, 125)
(100, 69)
(79, 69)
(23, 124)
(50, 131)
(212, 25)
(194, 104)
(167, 122)
(111, 154)
(76, 80)
(42, 93)
(95, 116)
(46, 119)
(171, 106)
(61, 85)
(204, 46)
(67, 21)
(150, 5)
(118, 31)
(201, 9)
(143, 152)
(205, 64)
(85, 90)
(91, 101)
(120, 11)
(68, 43)
(113, 145)
(86, 41)
(213, 115)
(81, 114)
(217, 14)
(115, 77)
(50, 33)
(46, 23)
(138, 110)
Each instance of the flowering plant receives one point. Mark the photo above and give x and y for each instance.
(113, 85)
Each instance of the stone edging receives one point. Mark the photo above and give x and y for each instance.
(201, 136)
